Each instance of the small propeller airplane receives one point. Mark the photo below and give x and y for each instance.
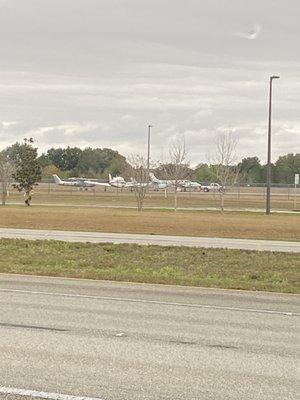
(159, 183)
(82, 183)
(163, 184)
(117, 181)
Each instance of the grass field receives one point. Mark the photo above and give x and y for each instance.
(220, 268)
(229, 224)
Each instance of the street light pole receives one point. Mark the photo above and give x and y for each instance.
(148, 151)
(268, 196)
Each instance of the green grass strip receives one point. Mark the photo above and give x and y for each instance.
(220, 268)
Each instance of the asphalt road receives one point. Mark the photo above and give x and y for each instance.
(119, 341)
(162, 240)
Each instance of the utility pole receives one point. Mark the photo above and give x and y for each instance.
(148, 151)
(295, 190)
(268, 197)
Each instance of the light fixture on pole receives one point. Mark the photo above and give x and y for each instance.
(268, 195)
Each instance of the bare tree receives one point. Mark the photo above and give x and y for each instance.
(177, 170)
(6, 172)
(223, 164)
(139, 183)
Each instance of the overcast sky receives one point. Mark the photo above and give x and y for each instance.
(96, 72)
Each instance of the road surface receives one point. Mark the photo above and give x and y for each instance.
(162, 240)
(117, 341)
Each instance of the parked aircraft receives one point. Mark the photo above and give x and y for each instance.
(159, 183)
(117, 181)
(163, 184)
(82, 183)
(133, 183)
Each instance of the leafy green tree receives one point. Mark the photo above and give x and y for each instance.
(251, 170)
(70, 158)
(108, 155)
(118, 166)
(50, 170)
(204, 173)
(101, 161)
(27, 169)
(55, 156)
(286, 167)
(65, 159)
(264, 173)
(44, 160)
(90, 160)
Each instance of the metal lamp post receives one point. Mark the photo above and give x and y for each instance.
(268, 196)
(148, 151)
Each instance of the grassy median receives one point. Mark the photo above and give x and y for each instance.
(235, 269)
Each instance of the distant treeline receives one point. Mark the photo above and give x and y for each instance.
(252, 171)
(98, 163)
(73, 161)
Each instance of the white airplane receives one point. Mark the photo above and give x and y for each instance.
(82, 183)
(117, 181)
(159, 183)
(163, 184)
(133, 183)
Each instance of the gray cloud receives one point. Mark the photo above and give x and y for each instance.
(96, 72)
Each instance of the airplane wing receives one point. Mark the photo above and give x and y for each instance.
(102, 184)
(132, 184)
(129, 184)
(97, 183)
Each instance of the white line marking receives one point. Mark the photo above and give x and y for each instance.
(43, 395)
(108, 281)
(165, 303)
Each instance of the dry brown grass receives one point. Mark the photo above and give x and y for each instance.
(235, 225)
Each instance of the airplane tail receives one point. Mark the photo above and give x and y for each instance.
(57, 179)
(109, 177)
(153, 178)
